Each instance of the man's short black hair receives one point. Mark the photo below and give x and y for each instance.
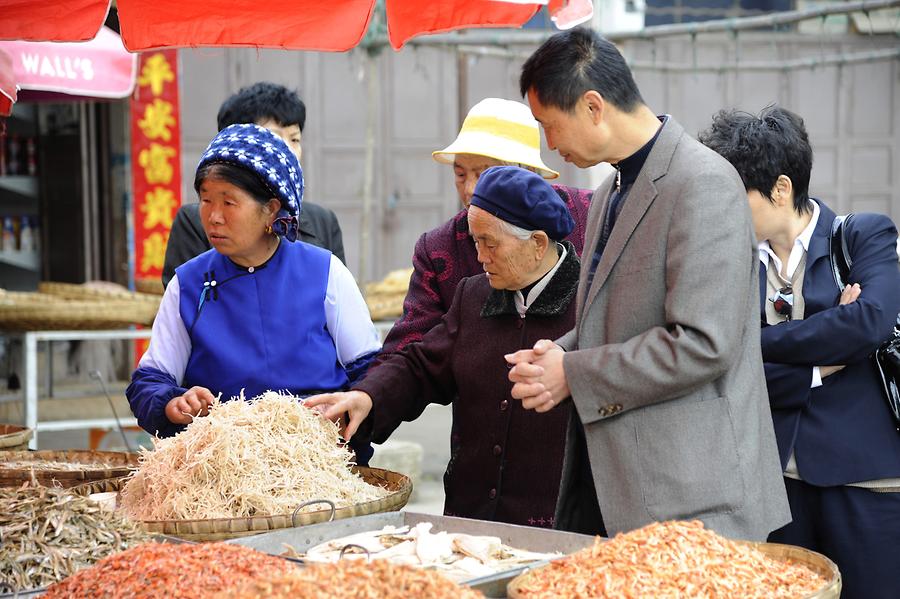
(573, 62)
(762, 148)
(260, 102)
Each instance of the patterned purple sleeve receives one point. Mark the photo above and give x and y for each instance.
(579, 203)
(422, 307)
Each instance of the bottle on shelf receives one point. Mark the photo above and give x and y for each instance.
(26, 235)
(13, 150)
(31, 156)
(9, 234)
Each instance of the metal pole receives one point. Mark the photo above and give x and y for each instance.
(29, 359)
(369, 170)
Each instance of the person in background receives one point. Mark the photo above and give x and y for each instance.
(671, 418)
(260, 311)
(508, 460)
(281, 111)
(495, 132)
(839, 448)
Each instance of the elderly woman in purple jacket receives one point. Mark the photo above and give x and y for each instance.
(496, 132)
(507, 461)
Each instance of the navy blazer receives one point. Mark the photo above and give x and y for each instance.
(841, 432)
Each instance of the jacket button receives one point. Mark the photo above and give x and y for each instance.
(493, 494)
(504, 404)
(497, 450)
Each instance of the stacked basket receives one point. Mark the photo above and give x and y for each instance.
(63, 468)
(385, 298)
(14, 438)
(64, 306)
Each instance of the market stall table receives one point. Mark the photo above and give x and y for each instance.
(30, 341)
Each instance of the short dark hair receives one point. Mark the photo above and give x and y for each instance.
(239, 177)
(576, 61)
(260, 102)
(762, 148)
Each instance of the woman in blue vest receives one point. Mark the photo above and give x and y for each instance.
(258, 311)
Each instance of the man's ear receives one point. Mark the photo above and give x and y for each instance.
(783, 190)
(595, 105)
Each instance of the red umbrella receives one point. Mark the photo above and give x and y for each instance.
(335, 25)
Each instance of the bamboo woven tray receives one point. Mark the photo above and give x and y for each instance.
(218, 529)
(97, 465)
(100, 291)
(816, 562)
(43, 311)
(14, 438)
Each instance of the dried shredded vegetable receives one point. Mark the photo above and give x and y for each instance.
(670, 560)
(378, 579)
(247, 458)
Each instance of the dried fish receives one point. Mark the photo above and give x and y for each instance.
(48, 533)
(457, 556)
(58, 466)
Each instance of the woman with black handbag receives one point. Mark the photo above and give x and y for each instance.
(836, 434)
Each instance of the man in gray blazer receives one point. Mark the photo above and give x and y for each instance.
(664, 366)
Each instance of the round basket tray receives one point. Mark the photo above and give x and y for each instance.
(816, 562)
(43, 311)
(14, 438)
(219, 529)
(99, 291)
(97, 465)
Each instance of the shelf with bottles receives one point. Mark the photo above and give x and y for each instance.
(19, 241)
(19, 151)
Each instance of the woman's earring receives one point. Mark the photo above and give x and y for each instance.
(269, 229)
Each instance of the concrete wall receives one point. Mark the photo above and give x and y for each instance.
(420, 98)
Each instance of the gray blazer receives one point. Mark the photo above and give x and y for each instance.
(664, 362)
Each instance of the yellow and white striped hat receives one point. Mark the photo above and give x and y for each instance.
(499, 129)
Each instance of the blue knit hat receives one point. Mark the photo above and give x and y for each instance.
(523, 198)
(259, 150)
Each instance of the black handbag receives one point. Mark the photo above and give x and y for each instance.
(887, 356)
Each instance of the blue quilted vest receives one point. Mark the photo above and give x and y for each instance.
(259, 328)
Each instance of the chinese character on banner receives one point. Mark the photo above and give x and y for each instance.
(155, 164)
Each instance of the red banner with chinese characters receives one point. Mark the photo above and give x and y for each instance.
(155, 163)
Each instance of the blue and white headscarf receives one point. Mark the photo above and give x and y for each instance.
(259, 150)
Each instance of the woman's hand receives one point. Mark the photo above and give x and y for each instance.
(193, 404)
(356, 404)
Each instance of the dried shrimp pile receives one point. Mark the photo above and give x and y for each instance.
(670, 559)
(163, 571)
(247, 458)
(379, 579)
(47, 534)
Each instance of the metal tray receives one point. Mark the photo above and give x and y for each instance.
(520, 537)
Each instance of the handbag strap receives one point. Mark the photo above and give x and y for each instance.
(839, 251)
